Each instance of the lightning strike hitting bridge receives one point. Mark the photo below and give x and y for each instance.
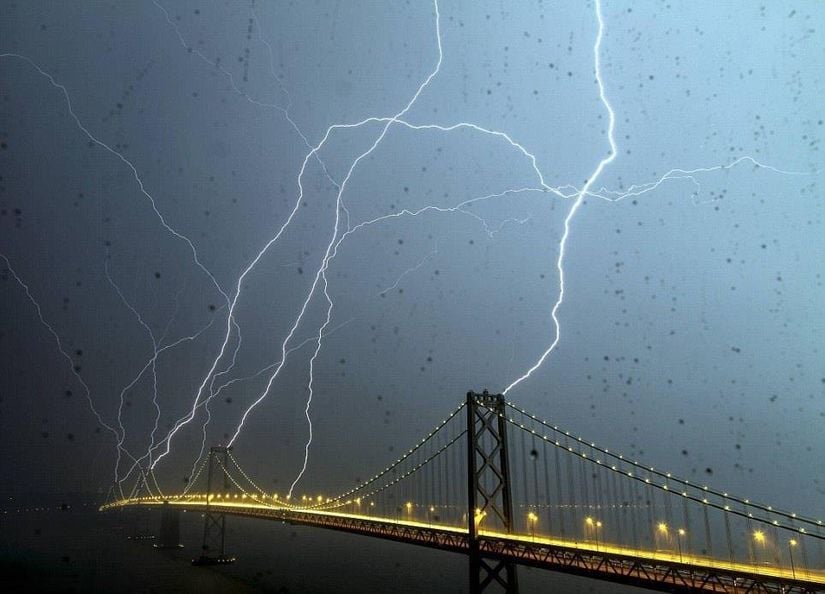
(506, 488)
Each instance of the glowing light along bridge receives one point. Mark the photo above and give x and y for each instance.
(538, 497)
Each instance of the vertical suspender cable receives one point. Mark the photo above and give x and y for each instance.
(727, 532)
(572, 500)
(560, 501)
(708, 541)
(547, 506)
(583, 479)
(534, 458)
(522, 458)
(688, 528)
(650, 518)
(635, 518)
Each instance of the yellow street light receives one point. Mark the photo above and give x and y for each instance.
(595, 525)
(662, 527)
(791, 544)
(478, 517)
(680, 533)
(531, 521)
(759, 536)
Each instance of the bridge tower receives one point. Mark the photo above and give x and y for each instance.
(489, 498)
(213, 549)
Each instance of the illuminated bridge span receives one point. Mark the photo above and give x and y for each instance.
(507, 488)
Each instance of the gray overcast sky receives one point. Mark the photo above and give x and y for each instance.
(692, 330)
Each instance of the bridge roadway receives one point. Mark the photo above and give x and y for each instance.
(657, 570)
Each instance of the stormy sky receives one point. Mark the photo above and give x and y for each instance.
(151, 150)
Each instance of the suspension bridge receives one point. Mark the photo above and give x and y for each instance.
(507, 488)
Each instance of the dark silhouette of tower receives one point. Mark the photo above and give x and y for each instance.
(213, 549)
(488, 490)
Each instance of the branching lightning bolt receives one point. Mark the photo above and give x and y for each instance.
(410, 270)
(210, 386)
(611, 155)
(157, 349)
(92, 138)
(325, 263)
(130, 385)
(86, 390)
(126, 162)
(230, 317)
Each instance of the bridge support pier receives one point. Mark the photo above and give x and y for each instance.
(213, 549)
(169, 535)
(488, 490)
(140, 518)
(138, 522)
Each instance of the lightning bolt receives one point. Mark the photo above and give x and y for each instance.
(230, 320)
(157, 349)
(332, 245)
(131, 384)
(341, 230)
(410, 270)
(314, 150)
(150, 364)
(86, 390)
(321, 271)
(271, 366)
(579, 196)
(94, 139)
(126, 162)
(325, 263)
(234, 85)
(216, 392)
(604, 162)
(690, 174)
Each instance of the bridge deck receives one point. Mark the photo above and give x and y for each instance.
(653, 569)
